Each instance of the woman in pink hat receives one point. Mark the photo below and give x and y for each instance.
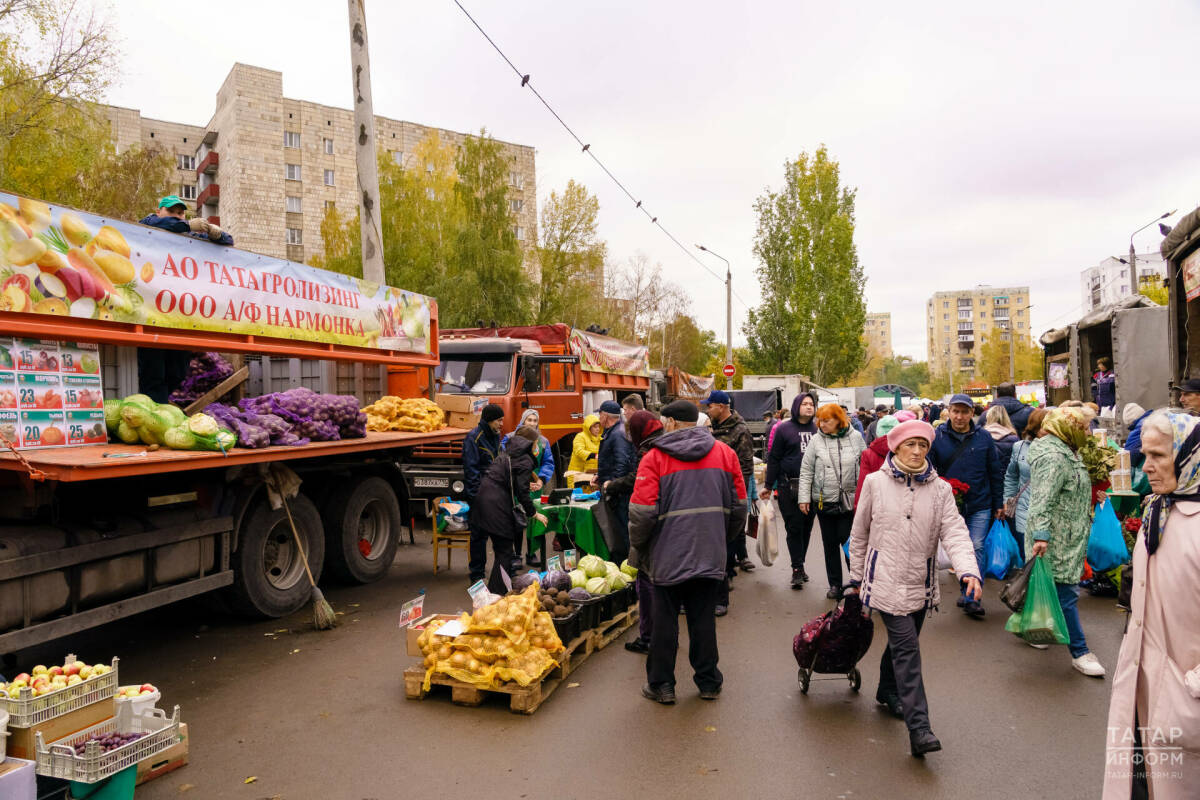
(903, 513)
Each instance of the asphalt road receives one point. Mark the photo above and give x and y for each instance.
(322, 715)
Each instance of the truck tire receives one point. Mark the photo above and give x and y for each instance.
(269, 578)
(362, 529)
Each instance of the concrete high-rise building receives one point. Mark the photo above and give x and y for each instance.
(957, 322)
(878, 333)
(1108, 282)
(266, 167)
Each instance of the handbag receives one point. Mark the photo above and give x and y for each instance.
(1013, 593)
(770, 520)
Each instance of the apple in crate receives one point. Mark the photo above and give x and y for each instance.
(22, 679)
(73, 668)
(55, 670)
(73, 680)
(40, 669)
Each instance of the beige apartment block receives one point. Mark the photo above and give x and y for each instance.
(958, 321)
(266, 167)
(878, 333)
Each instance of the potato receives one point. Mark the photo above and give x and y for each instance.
(25, 252)
(109, 238)
(74, 229)
(35, 212)
(116, 266)
(51, 261)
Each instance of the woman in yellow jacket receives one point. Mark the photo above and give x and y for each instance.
(585, 448)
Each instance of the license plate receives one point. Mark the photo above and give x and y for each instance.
(431, 483)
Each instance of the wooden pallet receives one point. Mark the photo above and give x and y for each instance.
(610, 630)
(522, 699)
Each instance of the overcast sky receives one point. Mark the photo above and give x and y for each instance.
(1010, 145)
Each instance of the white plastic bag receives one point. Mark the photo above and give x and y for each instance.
(770, 531)
(943, 561)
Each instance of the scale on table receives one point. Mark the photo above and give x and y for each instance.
(560, 497)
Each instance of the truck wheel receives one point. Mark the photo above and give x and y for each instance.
(269, 577)
(362, 530)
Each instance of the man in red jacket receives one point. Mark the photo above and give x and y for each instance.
(689, 501)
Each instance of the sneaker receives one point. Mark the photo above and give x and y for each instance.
(746, 565)
(1036, 646)
(962, 601)
(638, 645)
(834, 593)
(798, 578)
(803, 575)
(892, 701)
(665, 696)
(974, 610)
(1089, 665)
(710, 694)
(722, 611)
(922, 742)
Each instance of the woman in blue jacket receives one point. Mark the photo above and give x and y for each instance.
(541, 475)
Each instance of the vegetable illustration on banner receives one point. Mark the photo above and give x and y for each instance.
(66, 263)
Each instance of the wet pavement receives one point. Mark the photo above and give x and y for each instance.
(322, 715)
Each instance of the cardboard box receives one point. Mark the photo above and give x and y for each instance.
(417, 628)
(456, 419)
(21, 743)
(18, 780)
(460, 403)
(168, 760)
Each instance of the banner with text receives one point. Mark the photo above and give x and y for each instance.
(57, 261)
(605, 354)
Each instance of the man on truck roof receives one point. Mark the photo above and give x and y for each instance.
(170, 217)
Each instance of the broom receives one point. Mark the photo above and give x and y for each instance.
(323, 616)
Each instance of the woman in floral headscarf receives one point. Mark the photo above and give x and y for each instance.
(1060, 518)
(1156, 684)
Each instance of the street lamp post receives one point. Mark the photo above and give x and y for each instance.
(1133, 276)
(728, 312)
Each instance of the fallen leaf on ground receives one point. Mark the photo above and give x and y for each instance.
(185, 787)
(709, 729)
(572, 685)
(251, 779)
(297, 650)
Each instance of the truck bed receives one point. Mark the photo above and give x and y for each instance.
(95, 462)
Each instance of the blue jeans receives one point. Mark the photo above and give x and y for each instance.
(978, 523)
(1068, 598)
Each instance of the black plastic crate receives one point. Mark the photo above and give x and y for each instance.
(569, 627)
(589, 612)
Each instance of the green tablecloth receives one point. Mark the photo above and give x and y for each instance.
(575, 520)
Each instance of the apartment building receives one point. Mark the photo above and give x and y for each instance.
(1108, 282)
(957, 322)
(878, 333)
(266, 167)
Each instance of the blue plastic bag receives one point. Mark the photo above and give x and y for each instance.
(1106, 546)
(1000, 551)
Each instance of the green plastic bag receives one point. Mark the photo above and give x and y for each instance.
(1041, 621)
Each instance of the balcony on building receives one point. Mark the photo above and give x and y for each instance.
(209, 196)
(209, 164)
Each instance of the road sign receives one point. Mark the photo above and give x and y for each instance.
(728, 371)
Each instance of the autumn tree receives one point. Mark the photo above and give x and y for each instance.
(681, 342)
(812, 314)
(571, 257)
(996, 353)
(716, 363)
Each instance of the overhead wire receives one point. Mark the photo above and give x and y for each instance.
(587, 149)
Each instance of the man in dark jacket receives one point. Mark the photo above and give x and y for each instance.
(689, 500)
(964, 451)
(783, 470)
(615, 458)
(1018, 412)
(480, 447)
(170, 217)
(729, 428)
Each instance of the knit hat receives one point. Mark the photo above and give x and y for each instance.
(1131, 413)
(491, 412)
(885, 424)
(902, 416)
(681, 411)
(610, 407)
(913, 429)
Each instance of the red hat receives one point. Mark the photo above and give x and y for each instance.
(912, 429)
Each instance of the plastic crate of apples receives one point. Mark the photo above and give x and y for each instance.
(48, 692)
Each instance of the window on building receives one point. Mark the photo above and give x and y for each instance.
(398, 157)
(429, 167)
(295, 236)
(945, 304)
(430, 193)
(945, 316)
(1020, 326)
(292, 172)
(329, 177)
(291, 139)
(293, 205)
(982, 302)
(328, 147)
(517, 180)
(330, 205)
(186, 162)
(188, 191)
(1020, 312)
(965, 326)
(517, 205)
(1000, 301)
(518, 232)
(983, 315)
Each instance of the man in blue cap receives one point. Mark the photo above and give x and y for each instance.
(729, 427)
(615, 458)
(965, 451)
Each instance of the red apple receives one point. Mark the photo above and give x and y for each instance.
(56, 670)
(147, 689)
(72, 668)
(24, 676)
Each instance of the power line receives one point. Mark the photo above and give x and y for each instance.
(587, 149)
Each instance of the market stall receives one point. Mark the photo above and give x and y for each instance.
(575, 520)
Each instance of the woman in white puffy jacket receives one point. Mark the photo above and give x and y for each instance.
(904, 511)
(828, 479)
